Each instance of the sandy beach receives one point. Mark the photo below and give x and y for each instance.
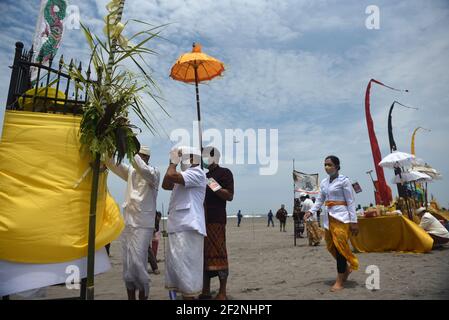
(264, 264)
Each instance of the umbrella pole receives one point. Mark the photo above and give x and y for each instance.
(415, 191)
(198, 111)
(425, 198)
(409, 213)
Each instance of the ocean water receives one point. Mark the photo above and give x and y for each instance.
(235, 216)
(255, 215)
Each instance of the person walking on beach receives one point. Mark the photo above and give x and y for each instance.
(318, 213)
(270, 219)
(239, 218)
(296, 219)
(139, 214)
(313, 231)
(215, 253)
(281, 215)
(152, 249)
(186, 223)
(340, 223)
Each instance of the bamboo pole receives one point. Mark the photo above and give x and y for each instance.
(92, 229)
(95, 177)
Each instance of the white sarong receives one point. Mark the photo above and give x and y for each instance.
(135, 244)
(184, 263)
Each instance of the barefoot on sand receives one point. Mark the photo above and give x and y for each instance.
(336, 288)
(347, 273)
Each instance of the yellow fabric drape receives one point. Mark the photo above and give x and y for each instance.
(337, 238)
(44, 206)
(391, 233)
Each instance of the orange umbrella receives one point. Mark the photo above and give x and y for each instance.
(195, 67)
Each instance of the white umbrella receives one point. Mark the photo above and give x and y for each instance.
(410, 176)
(397, 159)
(418, 162)
(434, 174)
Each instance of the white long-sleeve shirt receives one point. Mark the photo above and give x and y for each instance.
(186, 208)
(306, 205)
(339, 190)
(432, 226)
(141, 192)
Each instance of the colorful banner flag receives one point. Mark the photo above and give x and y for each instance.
(49, 31)
(383, 196)
(306, 183)
(357, 187)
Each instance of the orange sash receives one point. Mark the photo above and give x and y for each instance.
(335, 203)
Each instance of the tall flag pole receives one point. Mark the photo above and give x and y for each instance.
(412, 147)
(393, 147)
(383, 190)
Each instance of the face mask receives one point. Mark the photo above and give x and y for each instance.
(185, 166)
(333, 173)
(206, 163)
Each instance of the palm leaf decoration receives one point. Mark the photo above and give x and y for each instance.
(105, 128)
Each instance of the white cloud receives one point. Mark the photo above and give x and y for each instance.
(301, 67)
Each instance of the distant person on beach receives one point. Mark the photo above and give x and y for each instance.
(139, 215)
(239, 218)
(299, 226)
(152, 249)
(270, 219)
(318, 213)
(186, 223)
(359, 211)
(433, 227)
(281, 215)
(337, 194)
(215, 253)
(313, 231)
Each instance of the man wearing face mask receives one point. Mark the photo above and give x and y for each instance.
(186, 224)
(220, 190)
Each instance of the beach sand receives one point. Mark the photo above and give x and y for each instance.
(264, 264)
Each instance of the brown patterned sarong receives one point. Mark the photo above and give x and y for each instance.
(313, 232)
(215, 254)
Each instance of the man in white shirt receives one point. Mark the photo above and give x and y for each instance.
(433, 227)
(139, 211)
(313, 230)
(186, 224)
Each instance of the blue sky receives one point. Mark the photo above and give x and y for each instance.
(297, 66)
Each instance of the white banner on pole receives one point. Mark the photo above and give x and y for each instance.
(306, 183)
(49, 31)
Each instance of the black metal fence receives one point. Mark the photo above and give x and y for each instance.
(51, 90)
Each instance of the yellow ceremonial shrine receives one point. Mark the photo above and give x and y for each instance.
(45, 178)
